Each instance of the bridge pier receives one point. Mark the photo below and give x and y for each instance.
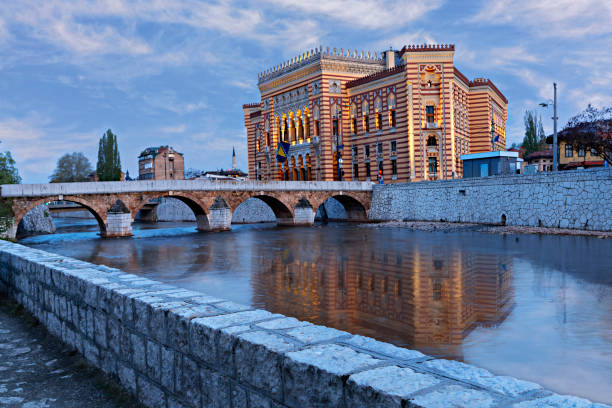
(303, 216)
(220, 219)
(118, 225)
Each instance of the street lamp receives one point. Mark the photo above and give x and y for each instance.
(546, 105)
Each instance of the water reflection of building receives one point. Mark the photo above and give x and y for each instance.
(424, 297)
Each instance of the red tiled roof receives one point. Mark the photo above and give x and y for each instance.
(373, 77)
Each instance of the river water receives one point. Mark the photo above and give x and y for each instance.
(534, 307)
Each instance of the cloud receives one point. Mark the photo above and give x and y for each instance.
(370, 14)
(174, 129)
(36, 145)
(550, 18)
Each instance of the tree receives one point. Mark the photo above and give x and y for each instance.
(108, 167)
(591, 129)
(8, 175)
(8, 171)
(71, 167)
(534, 133)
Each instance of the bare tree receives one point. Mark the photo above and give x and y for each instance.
(591, 129)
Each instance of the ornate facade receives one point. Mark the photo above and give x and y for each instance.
(406, 115)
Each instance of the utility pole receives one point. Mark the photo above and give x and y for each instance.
(555, 152)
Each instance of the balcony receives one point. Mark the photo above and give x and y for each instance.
(432, 125)
(432, 149)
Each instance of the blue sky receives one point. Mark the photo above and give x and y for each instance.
(177, 72)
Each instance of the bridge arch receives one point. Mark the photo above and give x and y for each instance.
(200, 210)
(355, 209)
(100, 216)
(283, 212)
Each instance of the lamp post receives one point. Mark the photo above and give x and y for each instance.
(546, 105)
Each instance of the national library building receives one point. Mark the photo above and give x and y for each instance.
(401, 116)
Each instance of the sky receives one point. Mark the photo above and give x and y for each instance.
(161, 72)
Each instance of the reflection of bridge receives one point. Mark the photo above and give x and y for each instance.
(115, 204)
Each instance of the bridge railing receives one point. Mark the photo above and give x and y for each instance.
(115, 187)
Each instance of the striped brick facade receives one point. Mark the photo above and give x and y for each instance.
(407, 115)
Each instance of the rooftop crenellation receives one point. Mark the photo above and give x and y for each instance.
(317, 53)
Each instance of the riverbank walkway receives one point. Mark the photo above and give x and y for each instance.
(38, 371)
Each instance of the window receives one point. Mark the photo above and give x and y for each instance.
(433, 165)
(392, 118)
(393, 147)
(268, 138)
(594, 152)
(366, 149)
(430, 113)
(317, 128)
(569, 150)
(581, 151)
(379, 149)
(354, 125)
(335, 126)
(437, 290)
(431, 141)
(380, 169)
(394, 168)
(355, 152)
(379, 121)
(355, 171)
(148, 165)
(367, 165)
(171, 166)
(366, 124)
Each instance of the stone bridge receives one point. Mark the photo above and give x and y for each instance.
(115, 204)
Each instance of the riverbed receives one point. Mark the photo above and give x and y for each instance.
(535, 307)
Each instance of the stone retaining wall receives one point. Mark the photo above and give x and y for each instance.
(37, 220)
(177, 348)
(580, 199)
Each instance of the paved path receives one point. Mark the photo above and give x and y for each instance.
(37, 371)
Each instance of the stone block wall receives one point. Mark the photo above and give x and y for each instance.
(580, 199)
(118, 224)
(38, 219)
(176, 348)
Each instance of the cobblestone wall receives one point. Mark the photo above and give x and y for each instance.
(176, 348)
(580, 199)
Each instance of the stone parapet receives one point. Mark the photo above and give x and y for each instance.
(117, 187)
(173, 347)
(578, 199)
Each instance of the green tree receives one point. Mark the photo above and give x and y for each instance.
(71, 167)
(8, 175)
(8, 171)
(534, 133)
(108, 167)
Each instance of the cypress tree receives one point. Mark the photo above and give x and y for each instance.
(109, 162)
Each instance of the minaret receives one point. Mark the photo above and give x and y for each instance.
(233, 158)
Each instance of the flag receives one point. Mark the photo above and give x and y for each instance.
(282, 151)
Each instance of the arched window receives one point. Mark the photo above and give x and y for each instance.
(307, 125)
(317, 123)
(378, 110)
(336, 112)
(431, 141)
(354, 118)
(391, 106)
(299, 127)
(365, 111)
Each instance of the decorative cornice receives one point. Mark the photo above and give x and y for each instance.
(487, 82)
